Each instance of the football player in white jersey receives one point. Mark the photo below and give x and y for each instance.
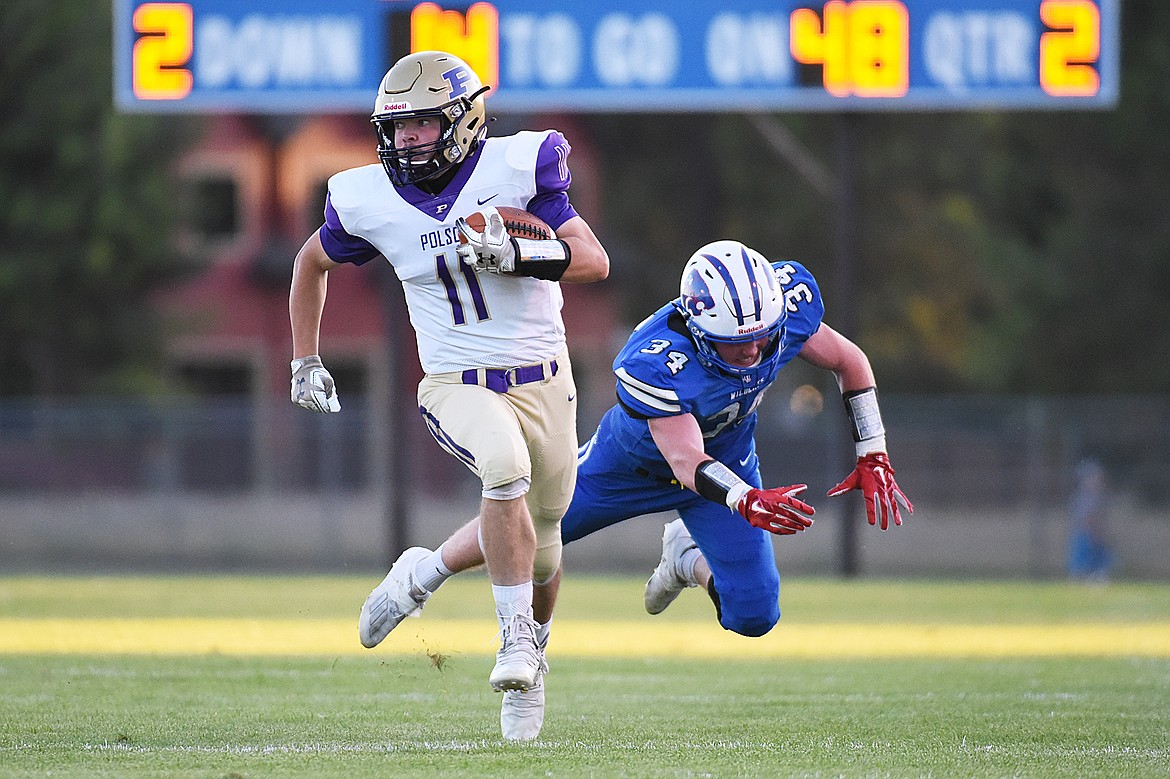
(498, 390)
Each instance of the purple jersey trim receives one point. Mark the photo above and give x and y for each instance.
(551, 202)
(339, 244)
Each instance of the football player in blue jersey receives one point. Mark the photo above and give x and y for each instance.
(689, 381)
(681, 438)
(498, 391)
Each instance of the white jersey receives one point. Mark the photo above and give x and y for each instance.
(462, 319)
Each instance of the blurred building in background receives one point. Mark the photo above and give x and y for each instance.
(229, 475)
(232, 476)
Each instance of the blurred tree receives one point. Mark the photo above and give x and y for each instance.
(998, 251)
(1108, 326)
(1029, 250)
(87, 208)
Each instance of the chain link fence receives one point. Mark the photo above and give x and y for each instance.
(234, 484)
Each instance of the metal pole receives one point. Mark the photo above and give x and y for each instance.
(845, 317)
(841, 189)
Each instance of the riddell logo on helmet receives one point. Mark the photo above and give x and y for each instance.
(403, 106)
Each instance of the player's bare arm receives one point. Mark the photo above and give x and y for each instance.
(312, 387)
(681, 443)
(590, 262)
(828, 349)
(306, 298)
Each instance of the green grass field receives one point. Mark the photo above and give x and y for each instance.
(264, 677)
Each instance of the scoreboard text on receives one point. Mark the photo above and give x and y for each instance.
(614, 55)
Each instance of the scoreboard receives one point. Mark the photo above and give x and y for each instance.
(314, 56)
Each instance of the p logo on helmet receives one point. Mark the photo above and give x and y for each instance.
(460, 79)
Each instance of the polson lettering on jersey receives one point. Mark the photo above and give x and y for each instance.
(438, 239)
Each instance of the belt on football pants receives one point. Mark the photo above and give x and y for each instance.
(499, 379)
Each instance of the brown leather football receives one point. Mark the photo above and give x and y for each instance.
(518, 222)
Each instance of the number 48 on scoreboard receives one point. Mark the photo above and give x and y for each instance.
(863, 47)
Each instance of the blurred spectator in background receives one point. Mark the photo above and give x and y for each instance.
(1090, 550)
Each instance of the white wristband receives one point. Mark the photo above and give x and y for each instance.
(736, 493)
(865, 418)
(718, 483)
(875, 444)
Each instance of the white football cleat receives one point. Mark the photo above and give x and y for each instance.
(522, 712)
(668, 580)
(393, 600)
(519, 659)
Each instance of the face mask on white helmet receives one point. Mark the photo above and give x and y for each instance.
(729, 294)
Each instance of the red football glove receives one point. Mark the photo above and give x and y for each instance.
(874, 476)
(777, 510)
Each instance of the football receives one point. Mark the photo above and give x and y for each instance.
(518, 222)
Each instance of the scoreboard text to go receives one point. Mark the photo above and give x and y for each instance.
(610, 55)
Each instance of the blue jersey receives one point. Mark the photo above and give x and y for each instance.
(659, 374)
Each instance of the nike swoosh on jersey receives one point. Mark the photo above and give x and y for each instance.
(486, 199)
(745, 460)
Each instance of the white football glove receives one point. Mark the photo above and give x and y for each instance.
(312, 386)
(493, 250)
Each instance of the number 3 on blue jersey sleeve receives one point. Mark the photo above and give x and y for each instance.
(798, 293)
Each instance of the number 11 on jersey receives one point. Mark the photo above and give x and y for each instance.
(458, 315)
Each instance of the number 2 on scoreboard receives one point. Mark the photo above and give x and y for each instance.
(165, 40)
(1068, 51)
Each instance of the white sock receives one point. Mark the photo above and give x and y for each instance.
(512, 600)
(431, 571)
(687, 565)
(543, 632)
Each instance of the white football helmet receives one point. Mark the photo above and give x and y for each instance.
(729, 294)
(435, 84)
